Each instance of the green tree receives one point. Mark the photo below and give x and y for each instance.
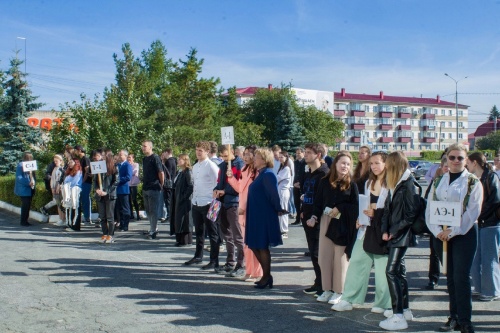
(319, 126)
(490, 142)
(494, 113)
(16, 136)
(289, 131)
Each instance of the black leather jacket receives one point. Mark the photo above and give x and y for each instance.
(400, 213)
(491, 186)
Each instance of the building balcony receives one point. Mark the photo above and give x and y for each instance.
(385, 127)
(358, 113)
(404, 115)
(404, 127)
(358, 126)
(404, 139)
(384, 114)
(339, 113)
(428, 128)
(428, 140)
(385, 139)
(356, 139)
(428, 116)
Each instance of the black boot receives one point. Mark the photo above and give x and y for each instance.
(468, 328)
(450, 326)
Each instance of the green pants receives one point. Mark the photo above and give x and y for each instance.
(358, 274)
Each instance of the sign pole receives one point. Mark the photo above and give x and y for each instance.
(99, 180)
(445, 254)
(229, 156)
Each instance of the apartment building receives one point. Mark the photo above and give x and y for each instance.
(410, 124)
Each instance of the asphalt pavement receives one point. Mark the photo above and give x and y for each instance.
(58, 281)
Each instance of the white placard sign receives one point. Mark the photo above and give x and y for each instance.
(445, 213)
(364, 202)
(98, 167)
(29, 166)
(227, 135)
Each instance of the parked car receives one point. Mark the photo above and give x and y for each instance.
(419, 168)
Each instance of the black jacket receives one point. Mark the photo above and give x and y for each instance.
(400, 211)
(300, 171)
(491, 201)
(308, 188)
(342, 231)
(181, 201)
(109, 184)
(373, 242)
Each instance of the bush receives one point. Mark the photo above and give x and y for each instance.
(7, 193)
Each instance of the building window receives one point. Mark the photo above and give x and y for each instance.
(460, 124)
(384, 147)
(367, 108)
(450, 112)
(460, 113)
(460, 136)
(450, 124)
(443, 112)
(435, 111)
(443, 135)
(450, 136)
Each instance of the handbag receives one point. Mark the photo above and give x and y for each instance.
(213, 211)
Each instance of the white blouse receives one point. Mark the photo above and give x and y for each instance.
(456, 192)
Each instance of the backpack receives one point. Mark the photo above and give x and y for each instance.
(419, 226)
(168, 183)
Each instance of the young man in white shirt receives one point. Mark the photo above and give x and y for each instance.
(205, 173)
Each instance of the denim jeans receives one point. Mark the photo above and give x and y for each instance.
(85, 200)
(485, 270)
(152, 201)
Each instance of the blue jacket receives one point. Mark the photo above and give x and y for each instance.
(231, 196)
(22, 186)
(124, 176)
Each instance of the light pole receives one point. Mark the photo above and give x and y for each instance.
(456, 97)
(24, 38)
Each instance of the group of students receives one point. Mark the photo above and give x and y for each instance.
(342, 250)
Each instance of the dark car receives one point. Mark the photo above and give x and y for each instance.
(419, 168)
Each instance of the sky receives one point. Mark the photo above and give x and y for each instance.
(400, 47)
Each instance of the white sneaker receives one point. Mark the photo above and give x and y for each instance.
(342, 306)
(406, 313)
(394, 323)
(325, 296)
(335, 298)
(60, 223)
(376, 309)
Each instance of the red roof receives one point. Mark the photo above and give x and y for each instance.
(484, 129)
(247, 90)
(342, 96)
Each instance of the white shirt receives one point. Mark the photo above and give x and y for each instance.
(380, 204)
(456, 192)
(284, 179)
(205, 175)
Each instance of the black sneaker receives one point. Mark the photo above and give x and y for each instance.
(450, 326)
(312, 290)
(226, 268)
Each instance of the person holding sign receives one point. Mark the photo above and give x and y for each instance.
(485, 268)
(336, 210)
(369, 249)
(24, 187)
(400, 211)
(457, 186)
(105, 195)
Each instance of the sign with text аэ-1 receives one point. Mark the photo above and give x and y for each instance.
(445, 213)
(98, 167)
(29, 166)
(227, 135)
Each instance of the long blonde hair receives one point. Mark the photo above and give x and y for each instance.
(395, 165)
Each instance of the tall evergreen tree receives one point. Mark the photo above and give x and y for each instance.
(16, 136)
(289, 131)
(494, 113)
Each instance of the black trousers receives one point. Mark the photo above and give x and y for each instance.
(461, 252)
(201, 222)
(312, 237)
(25, 209)
(297, 202)
(132, 201)
(396, 279)
(435, 258)
(122, 202)
(167, 199)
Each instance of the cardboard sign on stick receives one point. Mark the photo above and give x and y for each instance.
(227, 135)
(98, 167)
(29, 166)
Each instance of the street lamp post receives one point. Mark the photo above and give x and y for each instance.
(456, 97)
(24, 38)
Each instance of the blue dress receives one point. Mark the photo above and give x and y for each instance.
(263, 206)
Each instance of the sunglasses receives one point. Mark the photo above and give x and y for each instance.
(459, 158)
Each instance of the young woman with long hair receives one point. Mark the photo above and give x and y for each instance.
(336, 210)
(369, 249)
(180, 210)
(458, 185)
(400, 211)
(360, 174)
(253, 269)
(485, 268)
(106, 197)
(72, 183)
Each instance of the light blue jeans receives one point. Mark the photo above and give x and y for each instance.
(153, 200)
(485, 270)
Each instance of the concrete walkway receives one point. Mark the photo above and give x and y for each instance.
(58, 281)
